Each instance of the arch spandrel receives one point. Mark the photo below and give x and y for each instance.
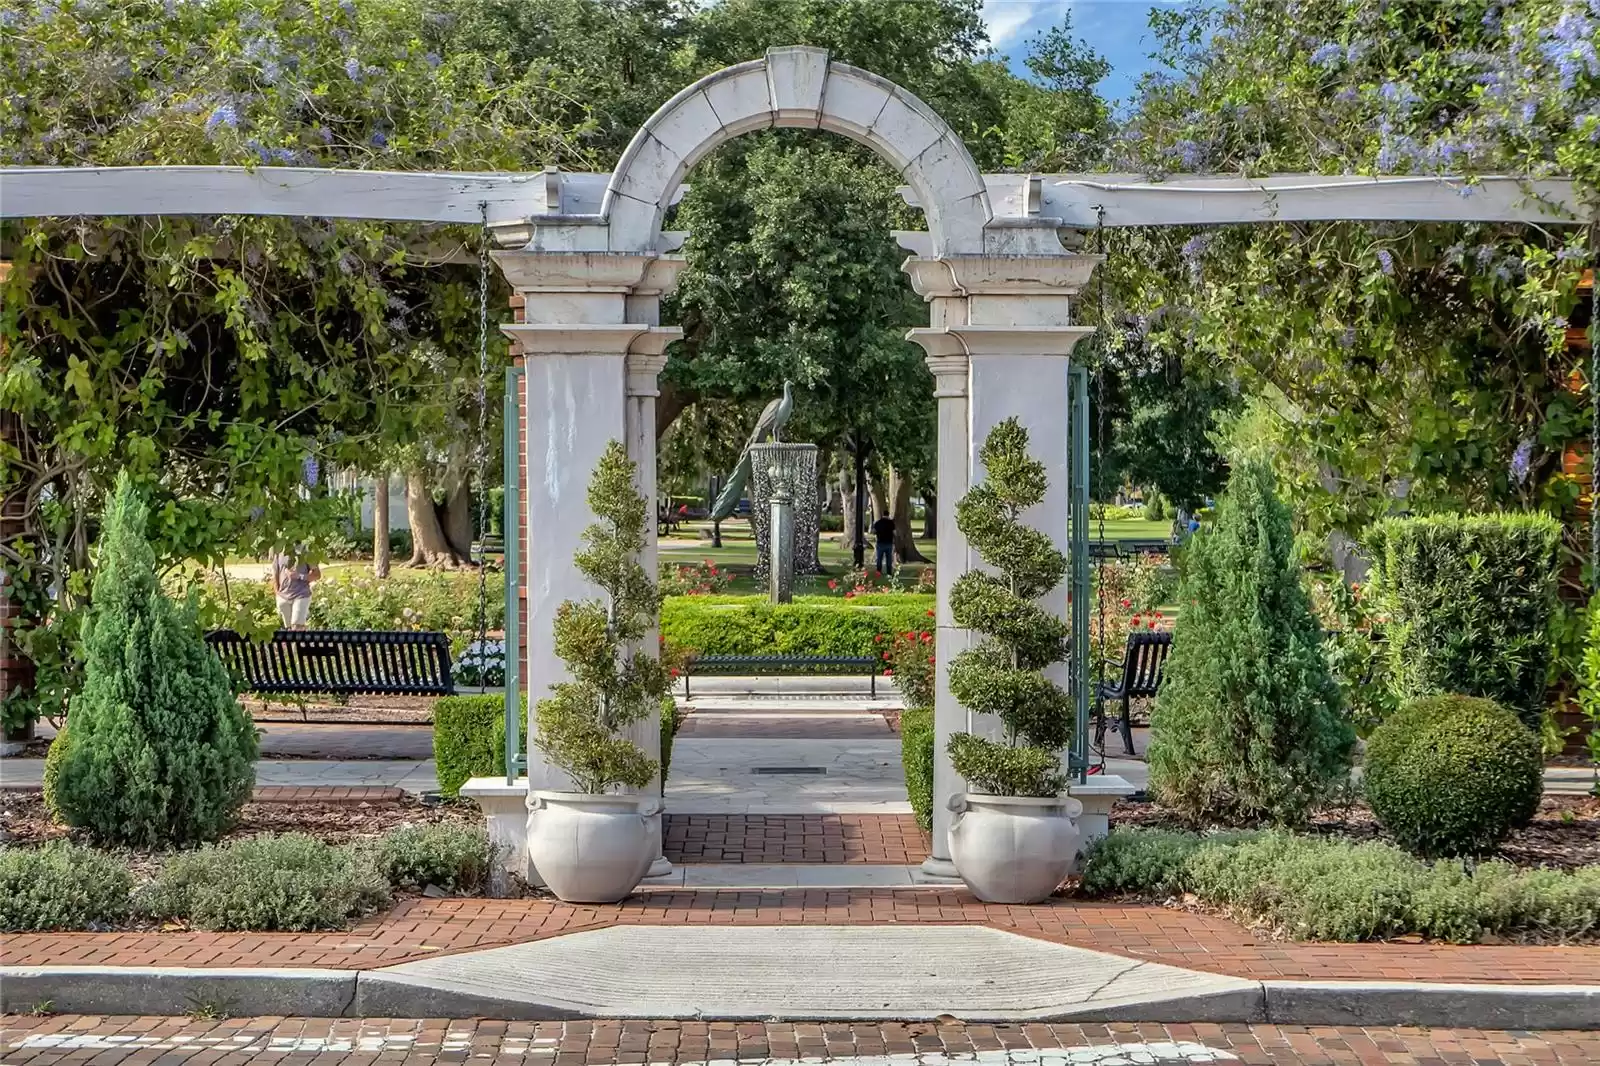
(798, 88)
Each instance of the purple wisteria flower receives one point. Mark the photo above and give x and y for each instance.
(1386, 261)
(352, 68)
(1522, 460)
(432, 59)
(379, 139)
(312, 470)
(1329, 55)
(224, 115)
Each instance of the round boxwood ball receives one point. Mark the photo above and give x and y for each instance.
(1453, 775)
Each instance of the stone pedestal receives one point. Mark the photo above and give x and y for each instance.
(505, 809)
(797, 466)
(1097, 795)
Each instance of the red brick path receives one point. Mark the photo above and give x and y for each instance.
(26, 1040)
(795, 838)
(423, 927)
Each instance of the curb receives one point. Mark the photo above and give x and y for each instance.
(318, 993)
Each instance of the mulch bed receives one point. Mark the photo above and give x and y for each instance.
(386, 710)
(1565, 833)
(24, 820)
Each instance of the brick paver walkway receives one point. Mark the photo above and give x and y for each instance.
(325, 1042)
(422, 927)
(893, 839)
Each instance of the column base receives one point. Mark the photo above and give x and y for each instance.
(934, 868)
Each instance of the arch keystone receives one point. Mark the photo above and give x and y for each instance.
(795, 80)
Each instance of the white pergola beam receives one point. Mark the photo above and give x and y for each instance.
(1077, 200)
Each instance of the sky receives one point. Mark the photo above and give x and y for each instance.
(1114, 28)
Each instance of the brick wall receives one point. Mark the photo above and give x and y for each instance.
(522, 510)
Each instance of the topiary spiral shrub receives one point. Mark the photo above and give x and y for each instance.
(1247, 727)
(161, 751)
(1003, 674)
(1453, 775)
(614, 682)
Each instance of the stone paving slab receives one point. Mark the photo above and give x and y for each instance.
(79, 1041)
(802, 726)
(784, 972)
(712, 776)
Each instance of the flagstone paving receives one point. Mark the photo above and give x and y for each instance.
(65, 1039)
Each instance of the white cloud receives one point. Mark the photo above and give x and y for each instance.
(1008, 20)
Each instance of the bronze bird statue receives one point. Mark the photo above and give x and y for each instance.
(769, 426)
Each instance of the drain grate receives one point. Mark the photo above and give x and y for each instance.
(790, 770)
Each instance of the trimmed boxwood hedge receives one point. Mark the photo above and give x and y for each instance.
(469, 738)
(916, 755)
(728, 625)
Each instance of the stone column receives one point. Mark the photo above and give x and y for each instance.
(999, 345)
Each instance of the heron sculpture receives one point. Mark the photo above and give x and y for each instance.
(770, 425)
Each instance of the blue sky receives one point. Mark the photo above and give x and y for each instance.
(1115, 28)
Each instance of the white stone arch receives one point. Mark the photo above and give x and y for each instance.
(798, 88)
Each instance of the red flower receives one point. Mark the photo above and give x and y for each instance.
(1152, 623)
(930, 614)
(926, 637)
(850, 595)
(877, 638)
(930, 659)
(888, 673)
(1135, 619)
(833, 584)
(909, 635)
(1126, 604)
(673, 671)
(877, 573)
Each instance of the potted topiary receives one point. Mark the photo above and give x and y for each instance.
(592, 844)
(1014, 835)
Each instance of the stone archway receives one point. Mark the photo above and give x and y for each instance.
(589, 285)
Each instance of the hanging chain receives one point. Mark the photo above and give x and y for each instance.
(480, 457)
(1594, 403)
(1100, 438)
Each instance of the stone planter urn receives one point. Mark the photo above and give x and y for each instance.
(589, 848)
(1013, 849)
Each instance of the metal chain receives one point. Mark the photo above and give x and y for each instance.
(1594, 403)
(1100, 438)
(480, 457)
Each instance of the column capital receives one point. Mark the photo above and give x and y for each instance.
(565, 339)
(999, 275)
(967, 342)
(590, 272)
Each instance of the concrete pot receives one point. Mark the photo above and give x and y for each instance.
(586, 848)
(1013, 849)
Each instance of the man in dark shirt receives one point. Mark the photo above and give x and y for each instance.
(883, 529)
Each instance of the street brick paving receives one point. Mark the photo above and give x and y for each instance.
(893, 839)
(419, 928)
(26, 1041)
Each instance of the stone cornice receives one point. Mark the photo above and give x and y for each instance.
(968, 341)
(595, 272)
(999, 275)
(534, 339)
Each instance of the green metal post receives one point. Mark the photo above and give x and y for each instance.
(512, 525)
(1079, 530)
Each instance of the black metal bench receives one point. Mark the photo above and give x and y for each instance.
(765, 665)
(1141, 669)
(1146, 547)
(339, 662)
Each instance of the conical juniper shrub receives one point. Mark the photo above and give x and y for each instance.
(1248, 725)
(1003, 674)
(615, 681)
(161, 752)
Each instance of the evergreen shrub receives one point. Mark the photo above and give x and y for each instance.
(1469, 600)
(670, 721)
(454, 858)
(61, 885)
(292, 883)
(917, 742)
(1137, 860)
(161, 754)
(1452, 775)
(1247, 727)
(752, 626)
(613, 682)
(1002, 674)
(469, 739)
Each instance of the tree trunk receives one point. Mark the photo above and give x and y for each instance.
(430, 546)
(672, 402)
(847, 508)
(930, 517)
(880, 497)
(905, 545)
(858, 540)
(380, 525)
(457, 520)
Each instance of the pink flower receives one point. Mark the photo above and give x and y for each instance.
(833, 584)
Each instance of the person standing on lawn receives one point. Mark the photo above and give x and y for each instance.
(291, 582)
(883, 561)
